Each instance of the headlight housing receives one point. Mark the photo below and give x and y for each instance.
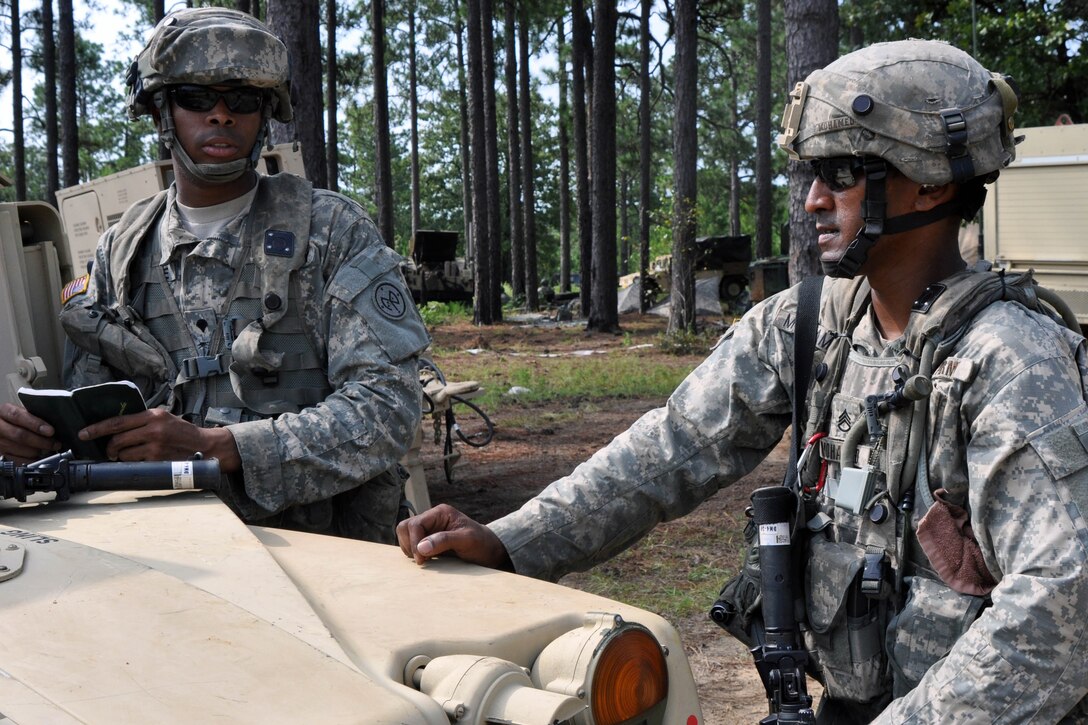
(617, 667)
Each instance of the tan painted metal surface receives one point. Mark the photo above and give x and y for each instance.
(1035, 215)
(163, 607)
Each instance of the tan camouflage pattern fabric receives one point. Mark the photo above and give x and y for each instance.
(211, 46)
(1007, 438)
(909, 83)
(330, 467)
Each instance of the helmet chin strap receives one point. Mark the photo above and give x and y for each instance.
(873, 211)
(223, 173)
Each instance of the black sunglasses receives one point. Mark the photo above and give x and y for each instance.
(839, 172)
(201, 99)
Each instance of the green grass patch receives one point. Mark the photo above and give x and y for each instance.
(440, 313)
(566, 378)
(674, 571)
(686, 342)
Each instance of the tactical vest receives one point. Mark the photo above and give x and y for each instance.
(259, 362)
(865, 483)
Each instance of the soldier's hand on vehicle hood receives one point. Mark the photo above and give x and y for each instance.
(443, 529)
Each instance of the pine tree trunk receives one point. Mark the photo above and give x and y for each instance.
(644, 155)
(482, 307)
(580, 49)
(463, 130)
(764, 210)
(413, 102)
(603, 313)
(513, 158)
(685, 154)
(383, 163)
(528, 168)
(812, 41)
(296, 23)
(332, 150)
(18, 148)
(49, 72)
(564, 167)
(491, 129)
(66, 77)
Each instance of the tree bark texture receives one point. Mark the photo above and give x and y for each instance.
(528, 166)
(296, 23)
(383, 171)
(685, 155)
(18, 148)
(564, 166)
(581, 48)
(463, 129)
(812, 41)
(332, 149)
(482, 307)
(513, 154)
(764, 210)
(644, 154)
(413, 113)
(603, 314)
(491, 128)
(66, 67)
(49, 73)
(158, 12)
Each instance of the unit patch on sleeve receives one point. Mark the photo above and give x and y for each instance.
(390, 300)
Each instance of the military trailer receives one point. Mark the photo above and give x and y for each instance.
(138, 606)
(1035, 214)
(727, 281)
(89, 209)
(434, 272)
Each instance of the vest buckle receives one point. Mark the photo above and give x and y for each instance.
(875, 579)
(203, 366)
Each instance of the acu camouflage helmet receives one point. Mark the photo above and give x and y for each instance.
(210, 46)
(924, 106)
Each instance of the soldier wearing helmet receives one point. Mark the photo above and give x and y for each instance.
(939, 456)
(210, 47)
(266, 322)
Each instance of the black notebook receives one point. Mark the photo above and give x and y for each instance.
(69, 412)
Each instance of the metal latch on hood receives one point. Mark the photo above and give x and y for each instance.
(11, 559)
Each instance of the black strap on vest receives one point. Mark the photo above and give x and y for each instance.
(804, 347)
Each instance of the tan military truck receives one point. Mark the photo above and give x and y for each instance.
(138, 606)
(1036, 215)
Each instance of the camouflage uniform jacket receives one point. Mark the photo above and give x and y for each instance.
(1006, 437)
(320, 436)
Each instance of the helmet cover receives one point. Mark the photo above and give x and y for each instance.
(924, 106)
(210, 46)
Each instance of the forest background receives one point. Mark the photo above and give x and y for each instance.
(583, 138)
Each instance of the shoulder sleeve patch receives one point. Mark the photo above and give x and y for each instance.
(361, 272)
(76, 287)
(1064, 450)
(390, 300)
